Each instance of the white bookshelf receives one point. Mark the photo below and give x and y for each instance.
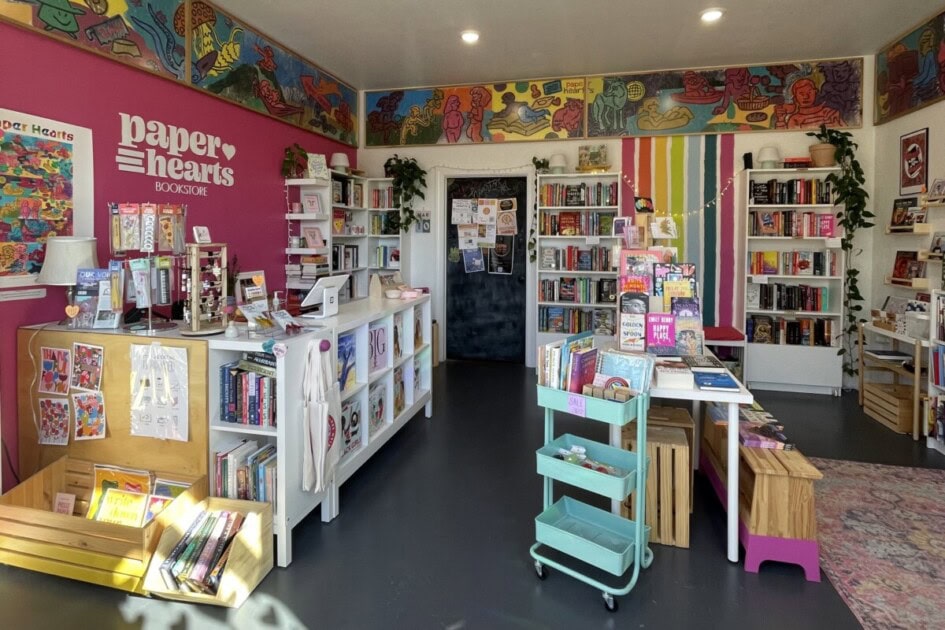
(783, 366)
(935, 439)
(599, 204)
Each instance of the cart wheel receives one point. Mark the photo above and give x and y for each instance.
(610, 602)
(647, 558)
(540, 570)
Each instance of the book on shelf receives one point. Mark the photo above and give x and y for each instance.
(347, 348)
(114, 477)
(377, 401)
(704, 363)
(351, 425)
(572, 344)
(122, 507)
(907, 267)
(400, 392)
(901, 217)
(199, 558)
(582, 368)
(763, 435)
(711, 381)
(672, 374)
(633, 368)
(690, 337)
(377, 346)
(661, 334)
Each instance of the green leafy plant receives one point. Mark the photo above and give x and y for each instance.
(853, 215)
(294, 161)
(541, 166)
(409, 182)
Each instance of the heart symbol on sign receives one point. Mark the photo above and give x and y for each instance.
(72, 310)
(259, 280)
(228, 150)
(267, 346)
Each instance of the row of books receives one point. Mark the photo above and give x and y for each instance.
(380, 224)
(308, 267)
(686, 372)
(382, 197)
(560, 319)
(756, 427)
(787, 297)
(583, 194)
(244, 470)
(794, 263)
(248, 390)
(664, 334)
(803, 331)
(791, 223)
(125, 496)
(197, 561)
(578, 290)
(792, 191)
(344, 257)
(387, 257)
(574, 258)
(571, 363)
(577, 224)
(646, 270)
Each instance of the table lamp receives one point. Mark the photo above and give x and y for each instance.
(557, 163)
(768, 157)
(339, 162)
(65, 255)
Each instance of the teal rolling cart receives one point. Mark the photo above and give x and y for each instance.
(599, 538)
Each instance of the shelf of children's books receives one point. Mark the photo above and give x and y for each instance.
(308, 182)
(762, 278)
(306, 216)
(794, 170)
(756, 311)
(791, 205)
(579, 208)
(304, 251)
(354, 391)
(579, 304)
(918, 228)
(579, 237)
(913, 283)
(248, 429)
(377, 375)
(576, 272)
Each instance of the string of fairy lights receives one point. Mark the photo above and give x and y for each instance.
(693, 212)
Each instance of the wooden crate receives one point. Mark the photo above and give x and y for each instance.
(668, 481)
(34, 537)
(890, 405)
(250, 557)
(673, 417)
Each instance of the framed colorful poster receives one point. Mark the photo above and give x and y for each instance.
(45, 189)
(913, 161)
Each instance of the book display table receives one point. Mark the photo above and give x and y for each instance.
(597, 537)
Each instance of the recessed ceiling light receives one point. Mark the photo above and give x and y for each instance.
(712, 15)
(470, 37)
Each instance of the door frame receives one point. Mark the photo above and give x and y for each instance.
(441, 175)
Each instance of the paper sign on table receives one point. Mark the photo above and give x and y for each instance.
(577, 405)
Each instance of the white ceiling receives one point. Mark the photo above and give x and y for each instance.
(376, 44)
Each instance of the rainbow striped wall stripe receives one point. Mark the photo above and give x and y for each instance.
(682, 174)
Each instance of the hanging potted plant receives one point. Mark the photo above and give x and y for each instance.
(408, 184)
(850, 199)
(824, 153)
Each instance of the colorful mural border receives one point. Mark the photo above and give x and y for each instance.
(783, 96)
(164, 37)
(910, 71)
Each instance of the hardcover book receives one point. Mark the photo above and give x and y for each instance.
(583, 366)
(400, 399)
(377, 404)
(660, 330)
(689, 336)
(900, 217)
(634, 368)
(377, 345)
(351, 425)
(711, 381)
(398, 335)
(347, 347)
(672, 375)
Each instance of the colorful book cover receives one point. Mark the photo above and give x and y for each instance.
(660, 330)
(676, 289)
(55, 370)
(54, 421)
(378, 407)
(417, 379)
(569, 223)
(572, 344)
(398, 335)
(347, 347)
(87, 365)
(826, 225)
(804, 263)
(685, 307)
(168, 488)
(87, 293)
(400, 398)
(351, 425)
(89, 410)
(767, 225)
(583, 366)
(122, 507)
(156, 503)
(108, 477)
(634, 368)
(603, 322)
(769, 263)
(904, 262)
(377, 346)
(662, 272)
(689, 336)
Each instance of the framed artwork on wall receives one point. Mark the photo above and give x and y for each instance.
(913, 161)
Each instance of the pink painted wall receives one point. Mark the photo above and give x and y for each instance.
(46, 78)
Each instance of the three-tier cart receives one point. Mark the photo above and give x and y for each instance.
(595, 536)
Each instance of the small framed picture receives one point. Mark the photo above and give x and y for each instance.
(313, 236)
(937, 191)
(250, 287)
(619, 226)
(643, 204)
(311, 203)
(913, 161)
(201, 234)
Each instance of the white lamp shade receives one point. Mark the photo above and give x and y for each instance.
(769, 157)
(65, 255)
(339, 161)
(557, 163)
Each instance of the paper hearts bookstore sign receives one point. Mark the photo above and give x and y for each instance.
(192, 160)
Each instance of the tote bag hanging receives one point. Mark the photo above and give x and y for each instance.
(322, 415)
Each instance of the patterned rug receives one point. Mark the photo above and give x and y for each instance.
(882, 541)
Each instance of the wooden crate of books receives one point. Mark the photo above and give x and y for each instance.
(33, 536)
(245, 561)
(668, 482)
(890, 405)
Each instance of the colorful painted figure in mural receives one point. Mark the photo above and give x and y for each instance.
(739, 85)
(696, 90)
(382, 119)
(211, 56)
(59, 15)
(518, 117)
(452, 120)
(480, 101)
(99, 7)
(839, 90)
(420, 118)
(273, 100)
(267, 58)
(609, 104)
(650, 118)
(165, 44)
(805, 112)
(320, 91)
(902, 66)
(569, 118)
(926, 83)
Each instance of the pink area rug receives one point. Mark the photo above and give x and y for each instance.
(882, 541)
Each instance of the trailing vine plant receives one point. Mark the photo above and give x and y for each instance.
(851, 198)
(541, 166)
(409, 180)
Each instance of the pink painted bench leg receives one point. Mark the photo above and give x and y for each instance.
(758, 549)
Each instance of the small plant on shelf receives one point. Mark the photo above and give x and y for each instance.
(408, 184)
(851, 198)
(294, 161)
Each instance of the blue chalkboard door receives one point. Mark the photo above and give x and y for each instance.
(485, 312)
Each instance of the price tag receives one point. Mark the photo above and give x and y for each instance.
(759, 279)
(593, 240)
(577, 405)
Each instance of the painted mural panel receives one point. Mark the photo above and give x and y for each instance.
(474, 114)
(145, 33)
(910, 72)
(234, 61)
(800, 95)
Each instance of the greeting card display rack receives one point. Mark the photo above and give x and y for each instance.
(204, 283)
(600, 538)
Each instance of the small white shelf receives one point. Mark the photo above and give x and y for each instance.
(383, 209)
(579, 304)
(579, 208)
(354, 391)
(347, 236)
(377, 375)
(752, 311)
(355, 269)
(247, 429)
(344, 207)
(575, 272)
(792, 238)
(588, 175)
(403, 359)
(306, 216)
(389, 236)
(581, 237)
(792, 205)
(754, 277)
(420, 349)
(372, 268)
(323, 183)
(302, 251)
(792, 170)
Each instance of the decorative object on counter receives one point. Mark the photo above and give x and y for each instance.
(408, 183)
(65, 255)
(557, 163)
(769, 157)
(204, 283)
(340, 163)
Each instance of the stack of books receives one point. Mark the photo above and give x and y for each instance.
(197, 562)
(248, 390)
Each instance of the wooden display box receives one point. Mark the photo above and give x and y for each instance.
(678, 418)
(890, 405)
(250, 557)
(34, 537)
(668, 485)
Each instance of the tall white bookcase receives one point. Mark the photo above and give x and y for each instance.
(935, 439)
(787, 225)
(594, 201)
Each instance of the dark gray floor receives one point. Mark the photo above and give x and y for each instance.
(434, 532)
